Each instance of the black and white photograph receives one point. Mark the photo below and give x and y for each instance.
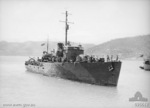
(74, 53)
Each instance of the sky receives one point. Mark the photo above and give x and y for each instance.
(95, 21)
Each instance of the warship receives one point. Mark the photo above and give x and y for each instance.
(69, 62)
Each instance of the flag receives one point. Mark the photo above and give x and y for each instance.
(141, 55)
(42, 44)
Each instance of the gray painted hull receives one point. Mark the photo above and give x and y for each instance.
(93, 73)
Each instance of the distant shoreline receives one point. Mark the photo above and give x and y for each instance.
(130, 48)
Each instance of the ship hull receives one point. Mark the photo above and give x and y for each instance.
(105, 73)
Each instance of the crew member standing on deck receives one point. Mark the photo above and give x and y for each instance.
(108, 59)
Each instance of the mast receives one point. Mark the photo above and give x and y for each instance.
(66, 28)
(47, 43)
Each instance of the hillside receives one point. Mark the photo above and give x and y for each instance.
(29, 48)
(130, 47)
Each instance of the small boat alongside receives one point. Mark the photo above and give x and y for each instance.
(146, 63)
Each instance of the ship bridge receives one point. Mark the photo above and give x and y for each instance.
(72, 52)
